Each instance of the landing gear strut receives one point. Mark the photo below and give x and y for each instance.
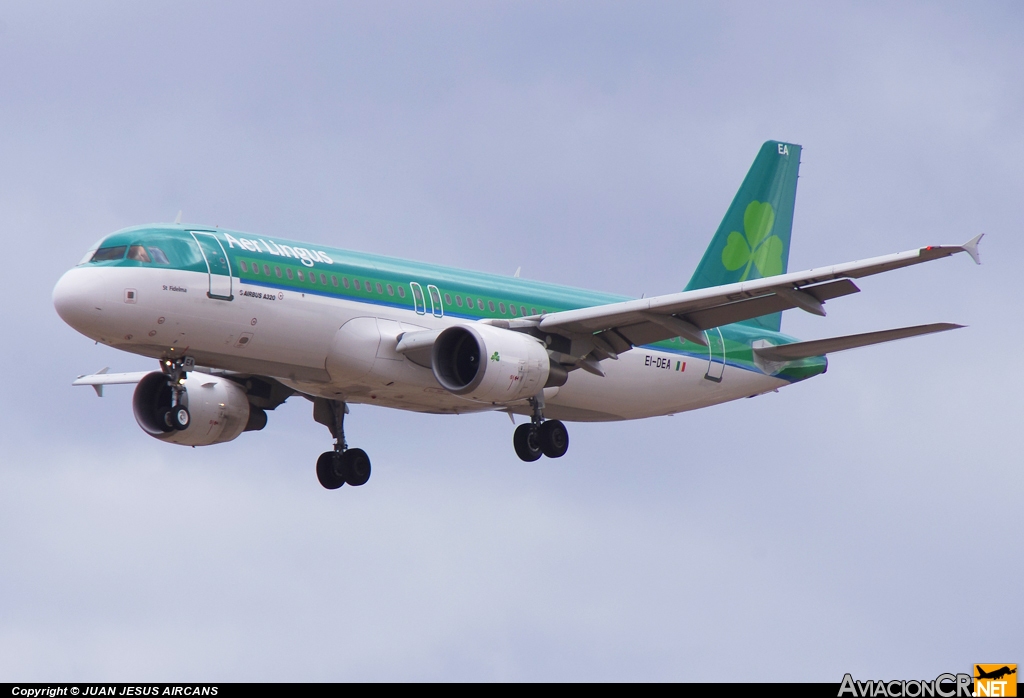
(540, 437)
(343, 464)
(177, 416)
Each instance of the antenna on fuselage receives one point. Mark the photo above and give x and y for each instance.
(516, 275)
(177, 219)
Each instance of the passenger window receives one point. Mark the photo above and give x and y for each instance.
(391, 290)
(447, 299)
(401, 291)
(480, 303)
(334, 281)
(369, 286)
(501, 307)
(266, 269)
(158, 255)
(290, 275)
(302, 276)
(245, 267)
(458, 300)
(256, 269)
(490, 306)
(512, 308)
(323, 279)
(522, 308)
(355, 282)
(380, 289)
(139, 254)
(344, 281)
(277, 271)
(533, 311)
(312, 277)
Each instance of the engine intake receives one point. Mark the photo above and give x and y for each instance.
(219, 409)
(491, 364)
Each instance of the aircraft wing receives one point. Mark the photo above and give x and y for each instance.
(101, 378)
(262, 391)
(617, 327)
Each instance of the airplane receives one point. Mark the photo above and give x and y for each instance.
(241, 322)
(995, 674)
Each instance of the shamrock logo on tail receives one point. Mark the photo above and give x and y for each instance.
(755, 247)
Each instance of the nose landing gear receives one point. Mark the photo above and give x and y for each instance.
(540, 436)
(343, 464)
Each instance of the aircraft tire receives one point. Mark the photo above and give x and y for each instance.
(527, 443)
(554, 438)
(328, 472)
(355, 465)
(180, 418)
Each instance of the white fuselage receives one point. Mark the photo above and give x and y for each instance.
(344, 349)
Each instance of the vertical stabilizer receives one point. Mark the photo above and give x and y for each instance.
(752, 241)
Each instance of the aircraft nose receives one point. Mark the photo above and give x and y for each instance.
(78, 298)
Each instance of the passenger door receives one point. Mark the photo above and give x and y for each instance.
(716, 355)
(217, 265)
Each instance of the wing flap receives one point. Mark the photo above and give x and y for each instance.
(645, 331)
(820, 347)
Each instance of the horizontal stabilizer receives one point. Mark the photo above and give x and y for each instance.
(820, 347)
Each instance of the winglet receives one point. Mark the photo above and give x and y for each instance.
(98, 387)
(971, 247)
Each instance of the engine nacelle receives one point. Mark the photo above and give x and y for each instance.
(219, 409)
(491, 364)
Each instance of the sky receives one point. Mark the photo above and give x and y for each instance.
(858, 522)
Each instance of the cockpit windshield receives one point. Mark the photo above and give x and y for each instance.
(146, 247)
(139, 254)
(109, 254)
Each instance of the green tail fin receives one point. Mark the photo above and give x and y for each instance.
(753, 240)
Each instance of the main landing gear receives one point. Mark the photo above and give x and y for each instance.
(343, 464)
(177, 415)
(540, 437)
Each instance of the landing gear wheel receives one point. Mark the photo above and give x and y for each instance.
(355, 464)
(177, 418)
(527, 442)
(328, 470)
(181, 418)
(554, 438)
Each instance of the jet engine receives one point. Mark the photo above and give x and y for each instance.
(491, 364)
(219, 409)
